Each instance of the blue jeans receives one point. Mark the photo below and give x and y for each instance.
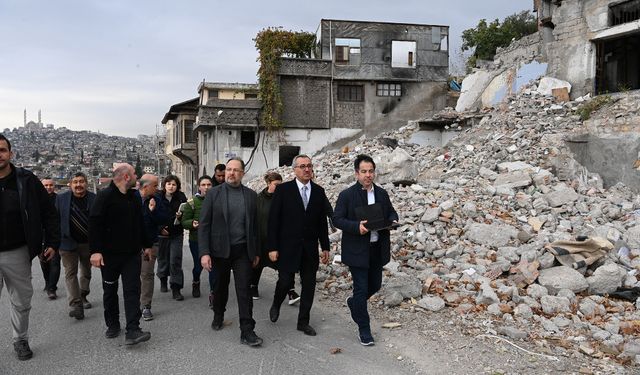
(197, 266)
(366, 282)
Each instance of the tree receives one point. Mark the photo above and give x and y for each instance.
(272, 44)
(487, 37)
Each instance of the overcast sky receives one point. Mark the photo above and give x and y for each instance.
(117, 66)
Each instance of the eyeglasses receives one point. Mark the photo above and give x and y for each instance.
(305, 166)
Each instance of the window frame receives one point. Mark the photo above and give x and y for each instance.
(350, 93)
(392, 89)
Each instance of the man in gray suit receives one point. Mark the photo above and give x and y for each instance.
(227, 238)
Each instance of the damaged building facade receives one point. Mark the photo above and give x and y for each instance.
(180, 142)
(593, 44)
(364, 78)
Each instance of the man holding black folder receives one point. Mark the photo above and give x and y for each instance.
(365, 215)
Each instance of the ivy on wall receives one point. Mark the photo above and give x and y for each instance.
(273, 43)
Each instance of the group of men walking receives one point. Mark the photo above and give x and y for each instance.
(122, 230)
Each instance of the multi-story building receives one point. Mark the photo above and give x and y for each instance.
(364, 78)
(593, 44)
(180, 142)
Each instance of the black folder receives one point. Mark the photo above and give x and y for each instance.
(374, 217)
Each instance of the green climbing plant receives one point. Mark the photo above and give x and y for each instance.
(272, 44)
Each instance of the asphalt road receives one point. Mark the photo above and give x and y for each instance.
(183, 342)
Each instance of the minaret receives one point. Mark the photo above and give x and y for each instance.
(39, 117)
(25, 117)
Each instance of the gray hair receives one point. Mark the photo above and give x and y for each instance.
(295, 159)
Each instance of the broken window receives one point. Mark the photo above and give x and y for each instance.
(403, 54)
(286, 155)
(348, 51)
(247, 138)
(623, 12)
(188, 131)
(350, 93)
(617, 62)
(389, 89)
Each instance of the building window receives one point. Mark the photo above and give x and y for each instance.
(347, 51)
(403, 54)
(247, 139)
(188, 131)
(213, 94)
(389, 89)
(350, 93)
(204, 137)
(250, 95)
(624, 12)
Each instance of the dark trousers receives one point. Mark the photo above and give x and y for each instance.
(51, 272)
(170, 260)
(126, 266)
(239, 262)
(285, 282)
(366, 282)
(197, 266)
(257, 273)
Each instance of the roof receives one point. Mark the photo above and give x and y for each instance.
(175, 109)
(228, 86)
(383, 23)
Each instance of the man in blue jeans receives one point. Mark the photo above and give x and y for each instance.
(364, 251)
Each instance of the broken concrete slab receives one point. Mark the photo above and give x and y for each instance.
(547, 84)
(606, 279)
(563, 277)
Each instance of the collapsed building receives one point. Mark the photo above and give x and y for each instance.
(363, 78)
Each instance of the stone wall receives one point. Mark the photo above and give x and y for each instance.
(305, 101)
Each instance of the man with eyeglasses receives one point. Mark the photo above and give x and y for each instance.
(365, 251)
(297, 223)
(228, 240)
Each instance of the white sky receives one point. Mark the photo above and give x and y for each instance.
(116, 66)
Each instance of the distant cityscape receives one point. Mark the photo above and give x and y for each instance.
(59, 153)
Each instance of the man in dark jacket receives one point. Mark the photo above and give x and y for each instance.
(116, 238)
(297, 223)
(74, 207)
(25, 213)
(363, 250)
(51, 268)
(153, 215)
(227, 239)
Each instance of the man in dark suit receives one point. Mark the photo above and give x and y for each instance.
(74, 207)
(227, 238)
(297, 222)
(363, 250)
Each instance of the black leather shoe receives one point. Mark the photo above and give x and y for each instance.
(177, 295)
(307, 330)
(274, 313)
(136, 337)
(218, 323)
(112, 332)
(77, 312)
(250, 338)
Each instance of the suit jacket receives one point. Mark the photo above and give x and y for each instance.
(63, 204)
(355, 247)
(292, 230)
(213, 228)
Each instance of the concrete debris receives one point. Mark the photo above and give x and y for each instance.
(472, 235)
(562, 277)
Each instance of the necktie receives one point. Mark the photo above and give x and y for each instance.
(305, 199)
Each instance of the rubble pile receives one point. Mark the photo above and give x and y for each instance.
(478, 218)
